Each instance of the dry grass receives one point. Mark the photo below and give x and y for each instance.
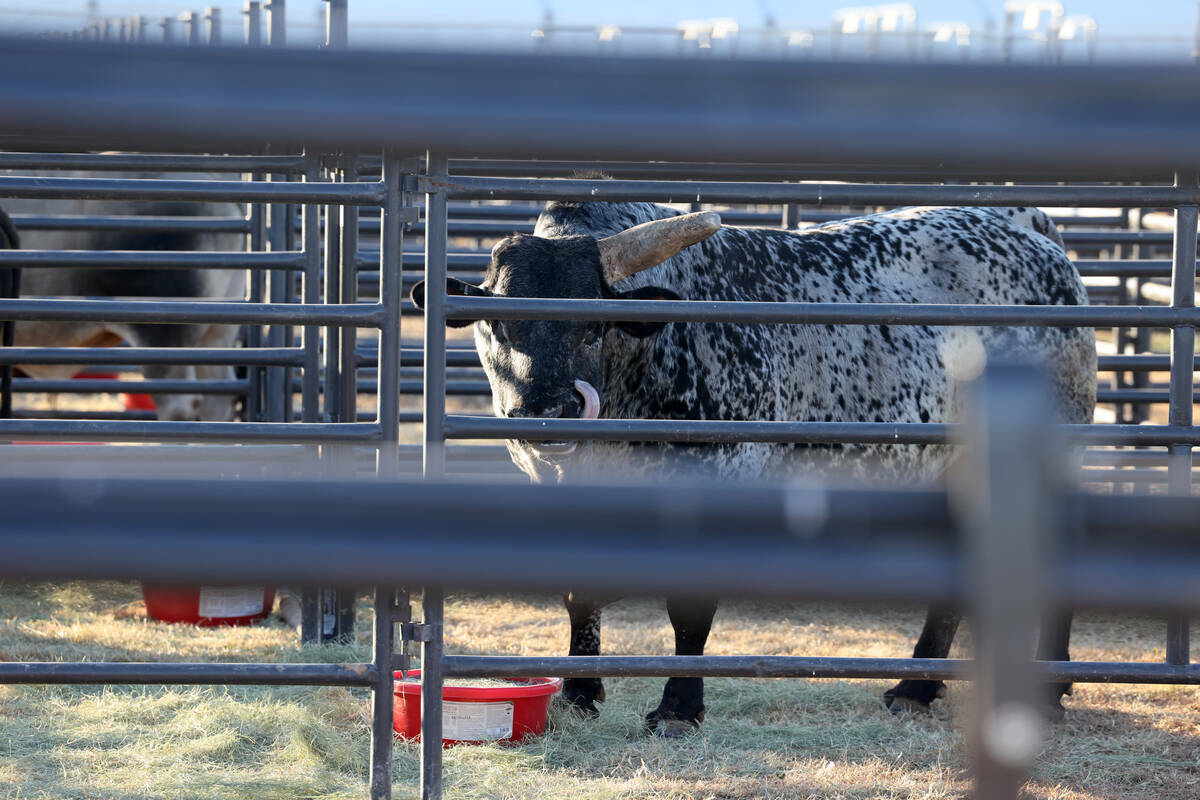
(769, 739)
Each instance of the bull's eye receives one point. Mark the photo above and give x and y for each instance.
(593, 335)
(499, 335)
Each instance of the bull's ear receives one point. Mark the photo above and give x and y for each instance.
(641, 330)
(453, 286)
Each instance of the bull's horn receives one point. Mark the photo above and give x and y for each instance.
(643, 246)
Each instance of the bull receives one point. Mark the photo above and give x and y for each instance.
(685, 370)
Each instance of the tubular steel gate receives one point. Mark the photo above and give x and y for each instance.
(1011, 508)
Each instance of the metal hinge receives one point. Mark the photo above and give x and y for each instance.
(416, 632)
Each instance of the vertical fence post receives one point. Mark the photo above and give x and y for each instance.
(168, 30)
(1008, 518)
(310, 388)
(347, 359)
(340, 389)
(252, 11)
(434, 439)
(431, 694)
(255, 286)
(312, 627)
(333, 296)
(391, 295)
(278, 379)
(381, 696)
(1183, 348)
(277, 22)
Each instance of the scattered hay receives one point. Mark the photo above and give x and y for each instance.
(762, 738)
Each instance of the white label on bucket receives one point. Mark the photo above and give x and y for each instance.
(230, 601)
(471, 722)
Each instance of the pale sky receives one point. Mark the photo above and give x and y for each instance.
(1171, 23)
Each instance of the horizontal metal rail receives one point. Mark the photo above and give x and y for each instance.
(146, 259)
(1139, 362)
(810, 194)
(58, 413)
(733, 431)
(219, 455)
(354, 193)
(184, 312)
(523, 215)
(148, 386)
(457, 666)
(796, 542)
(642, 170)
(152, 161)
(134, 431)
(1126, 457)
(213, 456)
(1135, 476)
(467, 357)
(1136, 396)
(1123, 268)
(368, 262)
(461, 307)
(83, 222)
(477, 387)
(56, 672)
(974, 115)
(249, 356)
(494, 228)
(1075, 237)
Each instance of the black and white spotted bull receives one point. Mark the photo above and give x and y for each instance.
(147, 283)
(758, 372)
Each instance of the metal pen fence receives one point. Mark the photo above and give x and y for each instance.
(329, 381)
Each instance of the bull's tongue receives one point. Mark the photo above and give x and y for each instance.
(591, 410)
(591, 400)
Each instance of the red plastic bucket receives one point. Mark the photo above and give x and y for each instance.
(137, 402)
(132, 402)
(209, 606)
(477, 714)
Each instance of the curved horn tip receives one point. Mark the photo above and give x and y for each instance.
(710, 220)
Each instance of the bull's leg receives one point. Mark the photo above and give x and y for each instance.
(1053, 645)
(583, 693)
(936, 637)
(682, 708)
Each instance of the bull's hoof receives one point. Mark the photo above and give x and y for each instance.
(1052, 711)
(582, 708)
(913, 697)
(580, 695)
(671, 726)
(906, 705)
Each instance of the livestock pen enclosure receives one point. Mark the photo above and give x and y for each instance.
(344, 397)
